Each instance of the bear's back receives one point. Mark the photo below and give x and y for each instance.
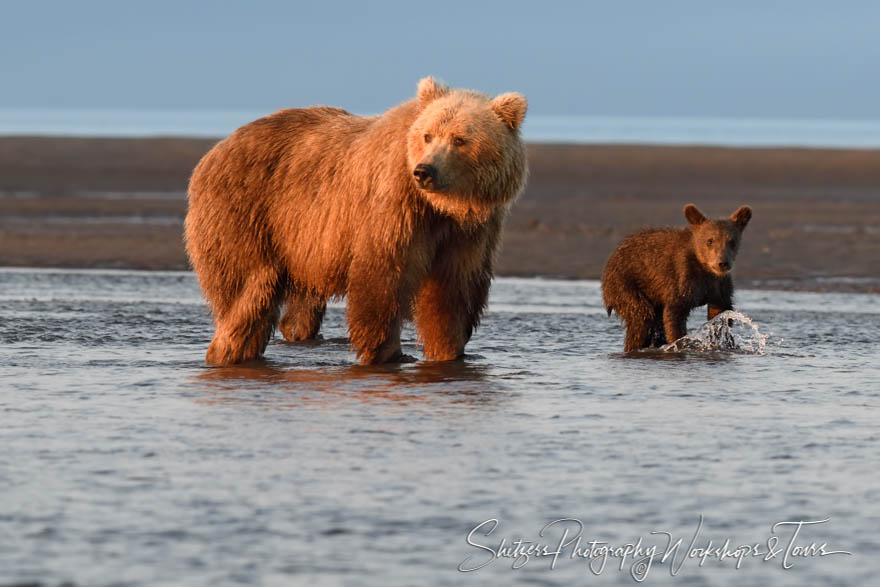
(654, 261)
(291, 145)
(649, 250)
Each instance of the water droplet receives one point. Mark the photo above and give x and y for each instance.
(729, 331)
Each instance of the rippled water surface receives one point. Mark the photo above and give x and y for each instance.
(126, 461)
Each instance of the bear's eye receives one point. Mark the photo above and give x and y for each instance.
(458, 141)
(427, 138)
(710, 241)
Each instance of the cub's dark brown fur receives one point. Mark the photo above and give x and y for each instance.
(657, 276)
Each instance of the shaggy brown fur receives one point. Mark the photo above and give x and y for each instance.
(400, 213)
(657, 276)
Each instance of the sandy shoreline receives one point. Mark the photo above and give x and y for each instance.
(120, 203)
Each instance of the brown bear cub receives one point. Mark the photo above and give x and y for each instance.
(657, 276)
(400, 213)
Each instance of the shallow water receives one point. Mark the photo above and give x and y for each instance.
(126, 461)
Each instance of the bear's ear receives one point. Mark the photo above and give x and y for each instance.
(510, 108)
(693, 215)
(430, 89)
(742, 216)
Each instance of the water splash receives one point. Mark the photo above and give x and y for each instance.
(729, 331)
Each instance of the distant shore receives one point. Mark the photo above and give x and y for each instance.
(120, 203)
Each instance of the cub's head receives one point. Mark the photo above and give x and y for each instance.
(716, 242)
(464, 149)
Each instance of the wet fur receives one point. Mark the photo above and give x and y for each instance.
(307, 205)
(657, 276)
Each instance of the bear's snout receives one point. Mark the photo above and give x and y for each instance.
(426, 175)
(724, 266)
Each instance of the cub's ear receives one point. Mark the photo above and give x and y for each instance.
(430, 89)
(510, 108)
(693, 215)
(742, 216)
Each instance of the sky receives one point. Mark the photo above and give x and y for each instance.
(792, 59)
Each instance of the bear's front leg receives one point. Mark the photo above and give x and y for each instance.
(449, 304)
(658, 334)
(674, 322)
(721, 299)
(443, 319)
(374, 320)
(713, 311)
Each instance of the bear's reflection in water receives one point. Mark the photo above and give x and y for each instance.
(659, 354)
(286, 385)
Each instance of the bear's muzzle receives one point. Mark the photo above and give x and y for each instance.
(426, 175)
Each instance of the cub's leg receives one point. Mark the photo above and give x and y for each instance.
(721, 299)
(658, 334)
(245, 324)
(637, 313)
(713, 311)
(638, 334)
(302, 318)
(674, 322)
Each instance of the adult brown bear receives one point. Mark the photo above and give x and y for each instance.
(400, 213)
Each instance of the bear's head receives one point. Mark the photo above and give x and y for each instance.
(465, 151)
(716, 242)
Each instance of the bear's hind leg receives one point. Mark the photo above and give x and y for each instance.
(244, 328)
(638, 316)
(302, 318)
(638, 335)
